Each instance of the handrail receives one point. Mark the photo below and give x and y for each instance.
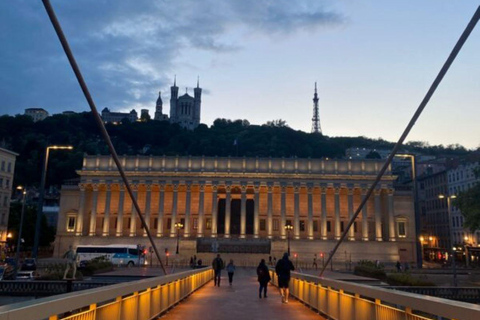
(345, 300)
(148, 298)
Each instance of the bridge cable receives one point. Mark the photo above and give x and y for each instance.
(461, 41)
(98, 119)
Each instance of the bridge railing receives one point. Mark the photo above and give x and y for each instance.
(137, 300)
(345, 300)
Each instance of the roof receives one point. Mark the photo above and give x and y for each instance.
(186, 96)
(8, 151)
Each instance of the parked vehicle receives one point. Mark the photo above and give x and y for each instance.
(118, 254)
(26, 275)
(30, 264)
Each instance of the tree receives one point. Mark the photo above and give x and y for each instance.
(469, 204)
(277, 123)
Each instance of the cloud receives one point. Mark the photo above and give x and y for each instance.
(128, 49)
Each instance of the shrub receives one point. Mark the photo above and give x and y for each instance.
(55, 271)
(97, 265)
(367, 268)
(406, 279)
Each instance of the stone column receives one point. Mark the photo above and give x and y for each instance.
(228, 208)
(378, 216)
(351, 231)
(148, 206)
(214, 211)
(283, 211)
(270, 212)
(391, 217)
(201, 211)
(106, 218)
(186, 231)
(256, 212)
(337, 214)
(324, 214)
(243, 211)
(161, 209)
(310, 212)
(121, 202)
(173, 231)
(364, 217)
(296, 212)
(134, 213)
(93, 214)
(81, 211)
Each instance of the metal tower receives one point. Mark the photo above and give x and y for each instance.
(316, 117)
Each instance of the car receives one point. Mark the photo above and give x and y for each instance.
(26, 275)
(30, 264)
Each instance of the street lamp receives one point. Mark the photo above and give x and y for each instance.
(452, 249)
(19, 240)
(289, 228)
(179, 226)
(41, 195)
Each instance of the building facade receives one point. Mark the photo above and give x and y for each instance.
(7, 168)
(37, 114)
(185, 110)
(461, 178)
(117, 117)
(239, 199)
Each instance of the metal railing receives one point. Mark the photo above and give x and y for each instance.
(144, 299)
(344, 300)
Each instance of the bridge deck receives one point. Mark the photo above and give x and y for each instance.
(239, 302)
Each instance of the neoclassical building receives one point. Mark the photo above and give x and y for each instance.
(239, 200)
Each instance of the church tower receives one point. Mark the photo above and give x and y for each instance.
(173, 101)
(159, 108)
(197, 103)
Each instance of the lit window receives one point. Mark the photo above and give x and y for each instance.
(402, 228)
(275, 225)
(71, 220)
(208, 224)
(195, 224)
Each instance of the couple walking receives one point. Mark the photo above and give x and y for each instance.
(282, 269)
(218, 265)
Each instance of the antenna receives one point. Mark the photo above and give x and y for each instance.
(316, 117)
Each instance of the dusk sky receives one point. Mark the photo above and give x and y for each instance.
(257, 60)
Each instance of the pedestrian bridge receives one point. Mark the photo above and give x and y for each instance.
(190, 295)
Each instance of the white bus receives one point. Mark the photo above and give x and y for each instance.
(119, 254)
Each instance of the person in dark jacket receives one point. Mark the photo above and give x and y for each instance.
(282, 269)
(263, 278)
(217, 266)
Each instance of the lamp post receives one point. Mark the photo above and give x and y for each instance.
(179, 226)
(19, 240)
(452, 248)
(38, 222)
(289, 228)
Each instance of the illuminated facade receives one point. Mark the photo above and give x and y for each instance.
(231, 199)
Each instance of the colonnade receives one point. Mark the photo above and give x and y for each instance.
(326, 212)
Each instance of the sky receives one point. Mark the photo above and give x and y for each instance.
(373, 61)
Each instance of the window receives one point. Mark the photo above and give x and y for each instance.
(402, 228)
(315, 226)
(7, 184)
(155, 223)
(182, 221)
(71, 223)
(129, 221)
(329, 226)
(208, 224)
(3, 165)
(355, 227)
(116, 222)
(5, 201)
(195, 224)
(275, 225)
(288, 223)
(263, 225)
(341, 226)
(1, 182)
(9, 169)
(169, 224)
(302, 225)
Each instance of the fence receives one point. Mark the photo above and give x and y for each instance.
(144, 299)
(344, 300)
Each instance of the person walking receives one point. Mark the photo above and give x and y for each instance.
(71, 258)
(282, 269)
(231, 271)
(263, 278)
(315, 262)
(217, 266)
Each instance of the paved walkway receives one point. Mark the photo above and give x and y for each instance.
(238, 302)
